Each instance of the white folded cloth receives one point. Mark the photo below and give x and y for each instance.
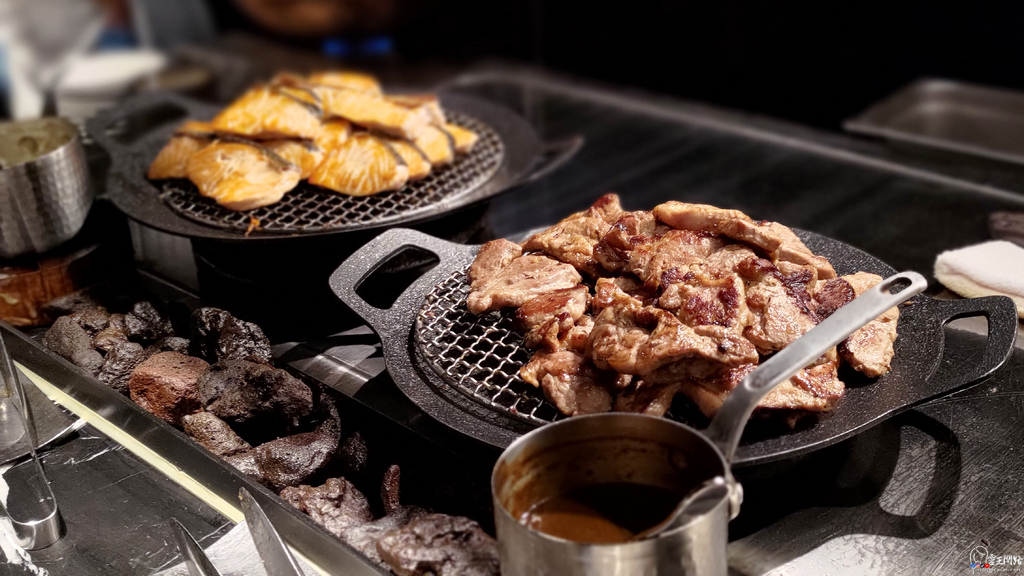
(988, 269)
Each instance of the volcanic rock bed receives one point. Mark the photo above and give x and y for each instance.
(212, 375)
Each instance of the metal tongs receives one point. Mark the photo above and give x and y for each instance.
(30, 504)
(276, 557)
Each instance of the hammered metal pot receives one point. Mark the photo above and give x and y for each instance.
(44, 198)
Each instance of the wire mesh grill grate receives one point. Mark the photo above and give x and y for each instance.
(310, 208)
(479, 356)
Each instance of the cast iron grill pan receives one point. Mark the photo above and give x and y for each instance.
(309, 208)
(508, 154)
(462, 370)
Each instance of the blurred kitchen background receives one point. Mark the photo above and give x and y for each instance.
(811, 62)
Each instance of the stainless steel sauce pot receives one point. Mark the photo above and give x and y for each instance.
(44, 185)
(621, 447)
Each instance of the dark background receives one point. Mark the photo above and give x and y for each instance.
(813, 61)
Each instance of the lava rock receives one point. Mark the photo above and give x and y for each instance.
(390, 488)
(165, 385)
(92, 320)
(254, 399)
(291, 460)
(217, 335)
(354, 454)
(71, 341)
(70, 303)
(440, 545)
(112, 335)
(245, 462)
(169, 344)
(119, 364)
(146, 324)
(364, 537)
(336, 505)
(214, 434)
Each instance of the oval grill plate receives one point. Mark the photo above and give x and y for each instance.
(309, 208)
(479, 356)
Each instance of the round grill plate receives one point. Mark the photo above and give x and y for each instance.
(310, 208)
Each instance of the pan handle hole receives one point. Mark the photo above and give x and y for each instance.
(383, 286)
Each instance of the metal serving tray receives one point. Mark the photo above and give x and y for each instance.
(952, 116)
(311, 540)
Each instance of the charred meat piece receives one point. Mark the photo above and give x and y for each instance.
(701, 296)
(92, 320)
(74, 344)
(112, 335)
(254, 399)
(267, 113)
(214, 434)
(335, 505)
(119, 364)
(574, 239)
(632, 229)
(145, 324)
(570, 382)
(217, 335)
(242, 175)
(643, 398)
(549, 317)
(674, 250)
(870, 349)
(500, 277)
(165, 385)
(781, 305)
(831, 295)
(774, 239)
(172, 161)
(440, 545)
(363, 165)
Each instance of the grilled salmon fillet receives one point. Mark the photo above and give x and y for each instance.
(428, 103)
(333, 133)
(302, 153)
(361, 166)
(188, 139)
(416, 161)
(269, 113)
(436, 144)
(373, 112)
(463, 138)
(241, 176)
(350, 80)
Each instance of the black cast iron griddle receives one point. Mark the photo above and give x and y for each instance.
(508, 154)
(430, 374)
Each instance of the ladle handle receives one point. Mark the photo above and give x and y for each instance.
(727, 426)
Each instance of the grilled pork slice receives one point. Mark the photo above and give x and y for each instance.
(333, 133)
(172, 161)
(631, 338)
(349, 80)
(428, 103)
(870, 349)
(703, 296)
(267, 113)
(630, 230)
(816, 388)
(241, 176)
(574, 238)
(548, 318)
(643, 398)
(570, 382)
(464, 138)
(373, 112)
(302, 153)
(674, 251)
(363, 165)
(436, 145)
(502, 277)
(776, 240)
(416, 161)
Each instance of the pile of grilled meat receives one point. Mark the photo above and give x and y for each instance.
(221, 388)
(337, 130)
(627, 309)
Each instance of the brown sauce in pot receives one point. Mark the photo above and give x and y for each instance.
(602, 513)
